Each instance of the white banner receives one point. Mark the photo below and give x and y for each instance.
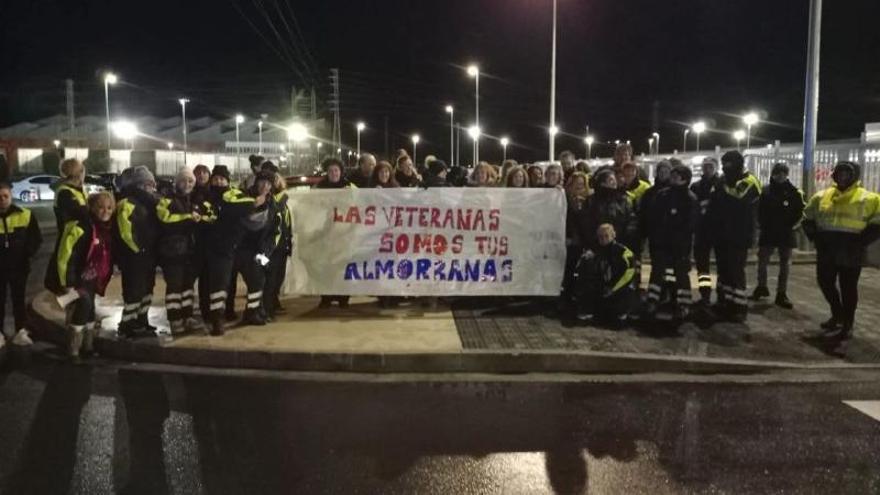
(427, 242)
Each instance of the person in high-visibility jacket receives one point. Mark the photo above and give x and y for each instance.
(19, 241)
(842, 221)
(82, 264)
(605, 288)
(178, 217)
(70, 196)
(137, 230)
(230, 208)
(731, 216)
(283, 242)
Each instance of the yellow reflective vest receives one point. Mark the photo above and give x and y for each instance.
(850, 211)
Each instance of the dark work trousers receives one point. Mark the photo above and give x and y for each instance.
(82, 311)
(16, 280)
(179, 279)
(216, 273)
(702, 254)
(732, 276)
(201, 267)
(843, 302)
(638, 248)
(232, 288)
(254, 276)
(764, 254)
(138, 279)
(572, 255)
(615, 307)
(276, 273)
(670, 268)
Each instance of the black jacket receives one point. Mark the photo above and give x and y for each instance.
(20, 239)
(732, 213)
(69, 257)
(177, 239)
(608, 206)
(225, 230)
(780, 212)
(615, 264)
(70, 204)
(407, 180)
(434, 181)
(136, 229)
(672, 218)
(283, 222)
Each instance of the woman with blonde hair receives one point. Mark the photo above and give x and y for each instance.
(482, 176)
(70, 197)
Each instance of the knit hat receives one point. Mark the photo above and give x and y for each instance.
(222, 171)
(600, 176)
(684, 172)
(266, 176)
(851, 167)
(437, 167)
(140, 175)
(733, 159)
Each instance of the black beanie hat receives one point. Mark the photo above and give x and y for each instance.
(779, 167)
(268, 166)
(437, 167)
(222, 171)
(684, 172)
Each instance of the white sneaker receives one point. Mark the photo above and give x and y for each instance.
(22, 338)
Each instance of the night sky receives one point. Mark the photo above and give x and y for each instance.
(710, 59)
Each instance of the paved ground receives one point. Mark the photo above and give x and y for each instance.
(101, 430)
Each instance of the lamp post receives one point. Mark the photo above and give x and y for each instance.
(360, 127)
(738, 137)
(656, 136)
(684, 141)
(699, 128)
(589, 140)
(415, 142)
(749, 120)
(504, 142)
(239, 119)
(474, 132)
(260, 134)
(650, 145)
(553, 88)
(183, 102)
(109, 78)
(125, 130)
(451, 111)
(552, 131)
(474, 72)
(56, 143)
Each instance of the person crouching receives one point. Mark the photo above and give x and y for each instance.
(83, 263)
(605, 280)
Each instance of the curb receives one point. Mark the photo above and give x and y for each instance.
(499, 362)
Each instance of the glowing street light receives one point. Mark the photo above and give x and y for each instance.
(415, 142)
(684, 141)
(183, 102)
(504, 142)
(650, 145)
(474, 132)
(589, 140)
(749, 120)
(125, 131)
(699, 128)
(451, 111)
(738, 136)
(474, 72)
(170, 145)
(553, 88)
(656, 136)
(360, 127)
(297, 132)
(109, 78)
(260, 135)
(56, 143)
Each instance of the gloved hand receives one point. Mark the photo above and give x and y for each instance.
(261, 259)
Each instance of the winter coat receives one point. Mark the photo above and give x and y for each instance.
(703, 190)
(672, 218)
(612, 207)
(407, 180)
(732, 211)
(225, 228)
(20, 239)
(136, 227)
(780, 212)
(842, 224)
(616, 267)
(69, 261)
(283, 224)
(70, 204)
(177, 239)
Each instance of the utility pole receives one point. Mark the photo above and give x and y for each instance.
(335, 105)
(811, 97)
(71, 116)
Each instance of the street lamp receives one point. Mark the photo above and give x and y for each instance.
(699, 128)
(738, 136)
(474, 72)
(170, 145)
(749, 120)
(684, 141)
(504, 142)
(183, 102)
(650, 145)
(553, 131)
(360, 127)
(656, 136)
(297, 132)
(415, 142)
(239, 119)
(109, 78)
(260, 134)
(57, 143)
(553, 87)
(125, 130)
(474, 132)
(589, 140)
(451, 111)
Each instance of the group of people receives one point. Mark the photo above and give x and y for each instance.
(206, 232)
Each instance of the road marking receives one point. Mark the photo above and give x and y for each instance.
(869, 407)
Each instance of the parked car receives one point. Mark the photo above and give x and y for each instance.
(35, 188)
(95, 184)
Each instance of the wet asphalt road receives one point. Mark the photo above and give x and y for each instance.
(102, 429)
